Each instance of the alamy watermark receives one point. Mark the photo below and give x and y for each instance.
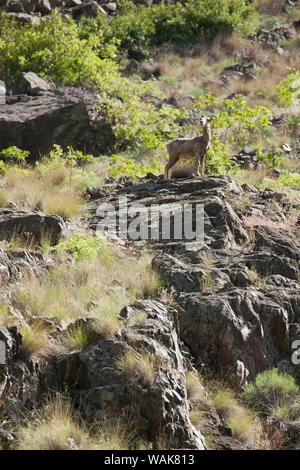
(156, 222)
(296, 352)
(2, 352)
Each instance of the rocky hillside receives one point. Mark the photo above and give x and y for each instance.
(110, 340)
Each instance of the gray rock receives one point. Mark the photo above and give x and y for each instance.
(31, 84)
(160, 408)
(89, 9)
(14, 223)
(2, 92)
(25, 18)
(37, 123)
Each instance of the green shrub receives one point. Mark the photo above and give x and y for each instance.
(56, 48)
(292, 180)
(84, 246)
(240, 124)
(270, 388)
(289, 89)
(271, 157)
(180, 22)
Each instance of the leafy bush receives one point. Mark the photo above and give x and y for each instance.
(270, 388)
(240, 124)
(180, 22)
(292, 180)
(218, 158)
(14, 155)
(139, 125)
(56, 48)
(289, 89)
(86, 247)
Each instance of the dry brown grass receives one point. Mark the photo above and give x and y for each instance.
(58, 427)
(138, 367)
(190, 72)
(186, 71)
(263, 89)
(50, 187)
(243, 424)
(194, 388)
(52, 195)
(270, 7)
(251, 177)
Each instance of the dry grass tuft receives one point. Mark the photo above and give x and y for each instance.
(194, 388)
(270, 7)
(49, 193)
(95, 289)
(138, 367)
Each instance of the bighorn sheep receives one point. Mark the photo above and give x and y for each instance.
(190, 148)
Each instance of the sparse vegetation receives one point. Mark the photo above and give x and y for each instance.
(99, 284)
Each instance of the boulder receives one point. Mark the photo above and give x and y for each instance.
(36, 123)
(35, 224)
(31, 84)
(43, 7)
(159, 408)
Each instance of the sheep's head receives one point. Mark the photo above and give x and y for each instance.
(206, 119)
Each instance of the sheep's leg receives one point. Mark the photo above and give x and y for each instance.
(197, 165)
(171, 162)
(202, 164)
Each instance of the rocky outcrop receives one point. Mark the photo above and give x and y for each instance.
(38, 118)
(31, 84)
(237, 293)
(238, 72)
(31, 225)
(29, 10)
(22, 384)
(272, 37)
(158, 407)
